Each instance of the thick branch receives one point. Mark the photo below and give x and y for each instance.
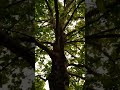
(37, 43)
(31, 39)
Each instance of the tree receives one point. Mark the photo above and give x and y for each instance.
(62, 43)
(52, 36)
(102, 50)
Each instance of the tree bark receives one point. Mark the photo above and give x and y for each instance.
(58, 78)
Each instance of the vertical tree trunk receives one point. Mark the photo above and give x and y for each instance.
(58, 78)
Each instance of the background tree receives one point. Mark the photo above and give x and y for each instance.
(16, 55)
(53, 36)
(102, 45)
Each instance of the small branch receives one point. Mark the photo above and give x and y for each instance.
(84, 66)
(76, 75)
(103, 36)
(41, 21)
(72, 15)
(76, 46)
(70, 54)
(47, 43)
(68, 5)
(41, 78)
(70, 33)
(49, 7)
(92, 13)
(75, 41)
(79, 17)
(87, 24)
(43, 26)
(32, 39)
(77, 65)
(107, 30)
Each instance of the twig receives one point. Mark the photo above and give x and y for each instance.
(76, 75)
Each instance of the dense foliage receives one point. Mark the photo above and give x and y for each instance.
(71, 19)
(72, 44)
(102, 45)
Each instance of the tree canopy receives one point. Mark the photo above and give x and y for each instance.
(72, 44)
(69, 17)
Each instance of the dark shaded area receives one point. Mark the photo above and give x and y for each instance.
(103, 46)
(17, 56)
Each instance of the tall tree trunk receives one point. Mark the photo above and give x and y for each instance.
(58, 78)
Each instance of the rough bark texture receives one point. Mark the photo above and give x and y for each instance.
(58, 78)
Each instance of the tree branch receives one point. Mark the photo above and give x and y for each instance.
(72, 15)
(107, 30)
(75, 41)
(57, 31)
(103, 36)
(70, 54)
(47, 43)
(72, 32)
(32, 39)
(52, 21)
(68, 4)
(84, 66)
(49, 8)
(92, 13)
(41, 78)
(37, 43)
(9, 63)
(76, 75)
